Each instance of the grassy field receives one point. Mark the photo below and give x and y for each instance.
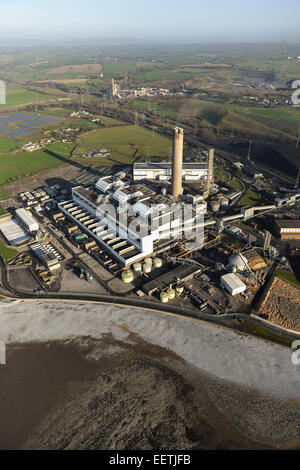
(15, 96)
(287, 276)
(260, 121)
(7, 144)
(3, 194)
(221, 176)
(23, 163)
(111, 122)
(125, 142)
(2, 211)
(6, 252)
(236, 184)
(179, 74)
(288, 68)
(121, 68)
(251, 199)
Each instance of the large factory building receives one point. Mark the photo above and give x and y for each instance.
(129, 220)
(132, 221)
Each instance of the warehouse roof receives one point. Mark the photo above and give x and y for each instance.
(292, 223)
(232, 281)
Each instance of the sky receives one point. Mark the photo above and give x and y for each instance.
(175, 21)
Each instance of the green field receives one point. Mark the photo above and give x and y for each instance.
(2, 211)
(111, 122)
(277, 122)
(179, 74)
(288, 68)
(221, 176)
(7, 144)
(121, 68)
(287, 276)
(3, 194)
(236, 184)
(24, 163)
(16, 96)
(125, 141)
(251, 199)
(6, 252)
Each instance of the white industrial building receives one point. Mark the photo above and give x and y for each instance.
(13, 232)
(232, 284)
(163, 171)
(27, 220)
(138, 219)
(238, 261)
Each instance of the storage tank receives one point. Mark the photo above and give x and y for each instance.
(147, 268)
(164, 297)
(171, 293)
(157, 262)
(179, 290)
(215, 205)
(127, 276)
(149, 261)
(137, 267)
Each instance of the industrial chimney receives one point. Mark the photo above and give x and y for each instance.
(177, 156)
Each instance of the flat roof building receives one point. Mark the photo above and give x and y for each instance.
(232, 284)
(288, 229)
(128, 220)
(27, 220)
(13, 232)
(163, 171)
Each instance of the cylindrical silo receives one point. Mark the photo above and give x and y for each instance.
(157, 262)
(137, 267)
(171, 293)
(127, 276)
(179, 290)
(147, 268)
(164, 297)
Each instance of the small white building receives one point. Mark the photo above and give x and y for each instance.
(232, 284)
(27, 220)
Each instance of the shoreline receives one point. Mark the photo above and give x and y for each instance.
(250, 382)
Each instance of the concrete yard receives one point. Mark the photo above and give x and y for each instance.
(70, 282)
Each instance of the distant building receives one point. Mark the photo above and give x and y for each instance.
(288, 229)
(163, 171)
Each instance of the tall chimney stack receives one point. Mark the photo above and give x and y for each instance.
(177, 156)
